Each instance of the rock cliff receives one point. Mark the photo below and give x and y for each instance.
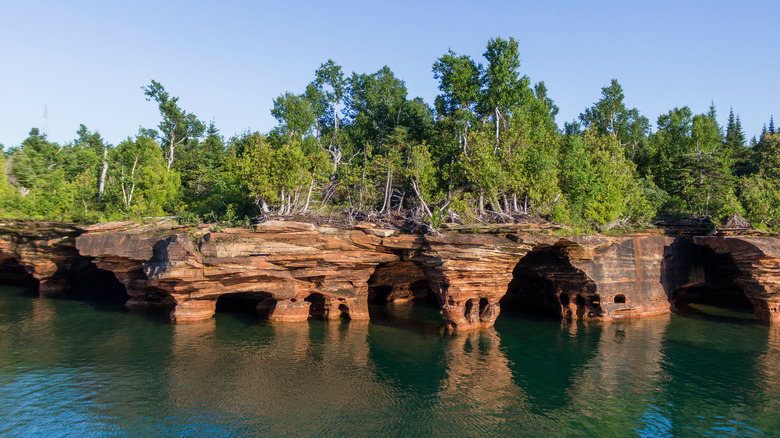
(758, 262)
(293, 271)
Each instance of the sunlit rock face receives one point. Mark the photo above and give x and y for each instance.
(758, 261)
(594, 277)
(469, 274)
(293, 271)
(289, 261)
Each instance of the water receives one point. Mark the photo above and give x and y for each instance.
(75, 368)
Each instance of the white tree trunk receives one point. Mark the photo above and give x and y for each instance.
(102, 182)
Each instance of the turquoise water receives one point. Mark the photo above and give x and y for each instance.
(76, 368)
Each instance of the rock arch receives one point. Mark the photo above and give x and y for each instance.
(545, 281)
(758, 261)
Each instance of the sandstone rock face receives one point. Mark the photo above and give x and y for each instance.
(600, 277)
(292, 262)
(294, 271)
(469, 274)
(125, 255)
(758, 260)
(398, 282)
(45, 250)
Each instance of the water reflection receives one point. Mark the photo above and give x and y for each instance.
(283, 378)
(478, 388)
(67, 368)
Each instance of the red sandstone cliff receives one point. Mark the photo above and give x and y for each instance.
(296, 270)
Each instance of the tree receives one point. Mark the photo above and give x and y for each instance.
(734, 144)
(376, 104)
(597, 178)
(503, 87)
(89, 153)
(141, 185)
(460, 83)
(178, 126)
(295, 115)
(325, 95)
(609, 116)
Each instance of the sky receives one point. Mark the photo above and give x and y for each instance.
(86, 61)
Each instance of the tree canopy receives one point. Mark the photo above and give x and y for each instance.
(489, 149)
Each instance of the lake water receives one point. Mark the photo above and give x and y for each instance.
(82, 368)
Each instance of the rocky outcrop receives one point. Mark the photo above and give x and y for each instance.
(45, 250)
(627, 272)
(469, 274)
(758, 261)
(595, 277)
(125, 254)
(297, 265)
(292, 271)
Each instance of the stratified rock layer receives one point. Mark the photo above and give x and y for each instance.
(293, 271)
(45, 250)
(469, 274)
(600, 277)
(758, 260)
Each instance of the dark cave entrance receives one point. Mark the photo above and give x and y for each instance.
(316, 306)
(716, 288)
(248, 303)
(400, 292)
(91, 283)
(418, 292)
(545, 283)
(12, 273)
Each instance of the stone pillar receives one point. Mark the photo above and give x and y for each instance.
(468, 315)
(463, 270)
(354, 308)
(193, 310)
(357, 308)
(292, 310)
(766, 309)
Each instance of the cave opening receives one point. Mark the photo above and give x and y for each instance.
(399, 282)
(317, 306)
(343, 311)
(399, 294)
(247, 303)
(98, 286)
(716, 293)
(544, 283)
(12, 273)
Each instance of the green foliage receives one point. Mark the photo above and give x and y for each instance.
(141, 186)
(296, 115)
(180, 129)
(761, 198)
(609, 116)
(489, 150)
(597, 178)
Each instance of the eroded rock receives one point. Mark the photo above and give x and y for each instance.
(297, 271)
(758, 260)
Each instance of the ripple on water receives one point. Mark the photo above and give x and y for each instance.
(69, 368)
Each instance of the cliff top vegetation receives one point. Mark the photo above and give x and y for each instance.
(352, 146)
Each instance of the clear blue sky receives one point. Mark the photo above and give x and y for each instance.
(227, 60)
